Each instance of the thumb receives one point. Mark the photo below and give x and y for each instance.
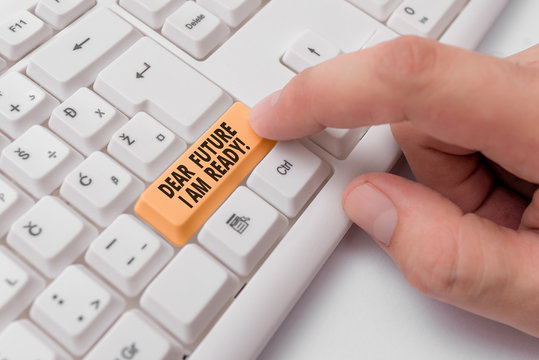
(462, 259)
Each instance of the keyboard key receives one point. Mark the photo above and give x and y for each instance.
(379, 9)
(128, 254)
(380, 36)
(13, 203)
(4, 141)
(309, 49)
(23, 340)
(424, 17)
(50, 235)
(76, 309)
(21, 33)
(22, 104)
(232, 12)
(189, 292)
(288, 176)
(86, 121)
(151, 12)
(242, 230)
(73, 59)
(145, 146)
(148, 78)
(195, 30)
(339, 142)
(136, 337)
(38, 160)
(19, 285)
(100, 188)
(60, 13)
(186, 194)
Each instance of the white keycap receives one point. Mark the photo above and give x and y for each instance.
(76, 308)
(22, 104)
(151, 12)
(19, 285)
(148, 78)
(189, 292)
(424, 17)
(86, 121)
(339, 142)
(288, 176)
(232, 12)
(128, 254)
(23, 340)
(195, 29)
(21, 33)
(309, 49)
(379, 9)
(38, 160)
(50, 235)
(4, 141)
(242, 230)
(100, 188)
(380, 36)
(72, 60)
(13, 203)
(136, 337)
(145, 146)
(60, 13)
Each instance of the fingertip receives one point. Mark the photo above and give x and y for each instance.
(262, 113)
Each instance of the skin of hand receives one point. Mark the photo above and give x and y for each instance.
(468, 124)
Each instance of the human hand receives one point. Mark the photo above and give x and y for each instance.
(469, 127)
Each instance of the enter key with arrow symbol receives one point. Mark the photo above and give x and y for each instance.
(141, 74)
(79, 46)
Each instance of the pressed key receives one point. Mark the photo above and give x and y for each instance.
(148, 78)
(424, 17)
(339, 142)
(23, 340)
(128, 254)
(151, 12)
(22, 104)
(379, 9)
(86, 121)
(189, 292)
(18, 286)
(145, 146)
(288, 176)
(76, 308)
(242, 230)
(13, 202)
(135, 336)
(232, 12)
(195, 30)
(60, 13)
(38, 160)
(50, 235)
(309, 49)
(100, 188)
(20, 33)
(74, 58)
(186, 194)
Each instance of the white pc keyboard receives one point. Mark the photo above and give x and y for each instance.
(124, 124)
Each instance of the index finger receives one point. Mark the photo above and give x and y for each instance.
(459, 97)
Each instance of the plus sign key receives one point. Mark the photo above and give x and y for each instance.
(22, 104)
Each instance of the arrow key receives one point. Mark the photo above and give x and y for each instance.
(307, 50)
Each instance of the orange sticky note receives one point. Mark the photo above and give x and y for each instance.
(181, 199)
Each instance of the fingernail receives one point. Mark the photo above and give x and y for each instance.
(264, 106)
(373, 211)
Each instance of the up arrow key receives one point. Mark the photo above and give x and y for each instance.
(79, 46)
(319, 49)
(313, 51)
